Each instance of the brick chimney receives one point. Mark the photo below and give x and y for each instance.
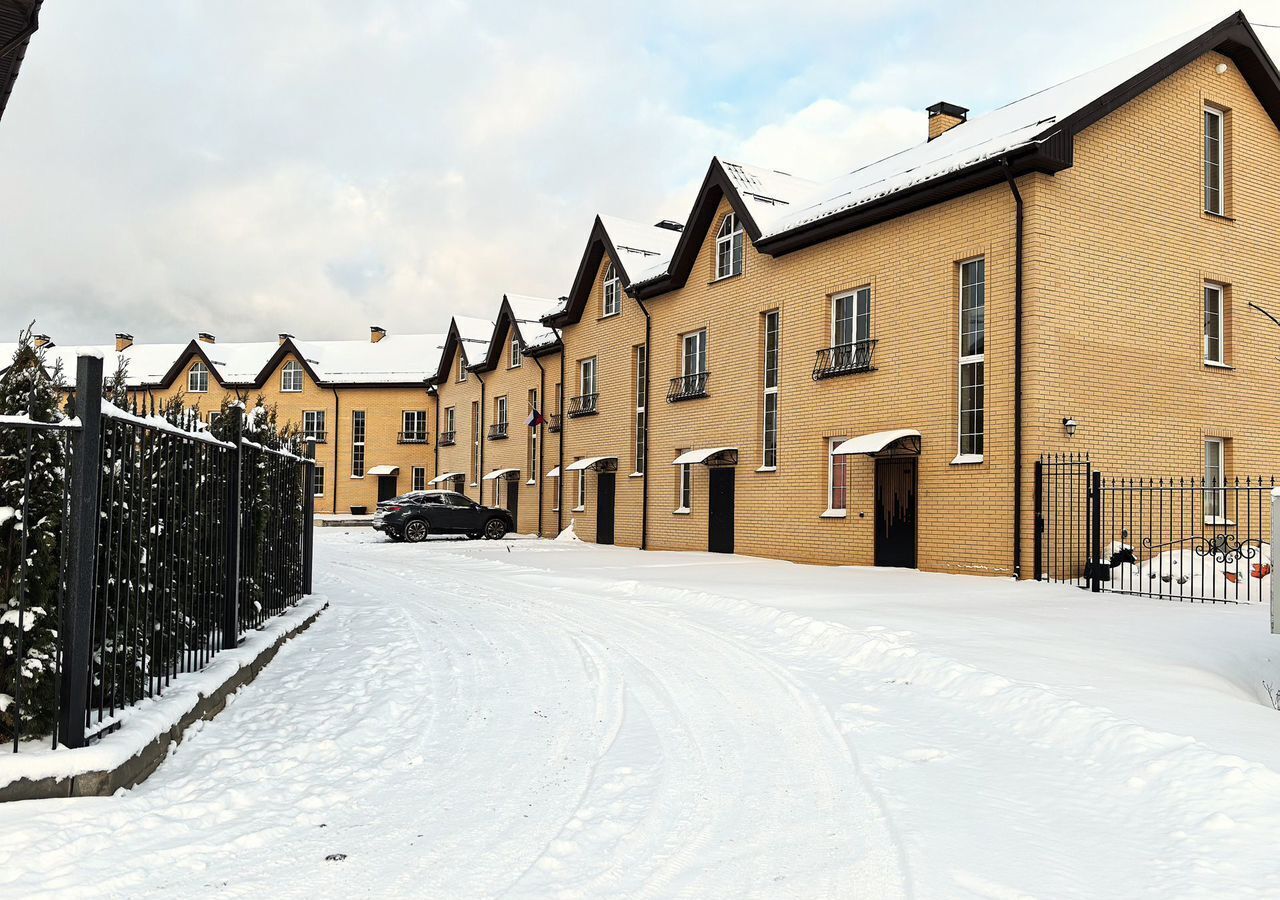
(376, 333)
(42, 340)
(208, 338)
(284, 336)
(123, 341)
(945, 116)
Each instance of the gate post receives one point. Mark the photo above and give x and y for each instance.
(309, 515)
(1095, 533)
(231, 573)
(82, 575)
(1038, 539)
(1275, 576)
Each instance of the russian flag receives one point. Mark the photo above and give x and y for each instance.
(535, 419)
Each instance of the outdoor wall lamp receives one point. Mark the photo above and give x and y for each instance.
(1070, 425)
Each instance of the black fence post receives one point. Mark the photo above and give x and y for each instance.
(1038, 541)
(309, 516)
(231, 574)
(77, 620)
(1095, 534)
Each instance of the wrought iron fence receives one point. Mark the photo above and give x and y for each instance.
(843, 359)
(583, 405)
(498, 431)
(447, 438)
(688, 387)
(1186, 538)
(553, 423)
(411, 437)
(170, 544)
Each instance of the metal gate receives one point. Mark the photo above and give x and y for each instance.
(1063, 518)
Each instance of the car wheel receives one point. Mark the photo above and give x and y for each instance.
(416, 531)
(495, 529)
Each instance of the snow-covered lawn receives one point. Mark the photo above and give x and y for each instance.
(533, 718)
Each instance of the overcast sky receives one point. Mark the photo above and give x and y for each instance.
(253, 166)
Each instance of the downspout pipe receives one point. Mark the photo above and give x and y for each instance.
(648, 405)
(1017, 370)
(337, 423)
(564, 422)
(434, 394)
(540, 456)
(480, 437)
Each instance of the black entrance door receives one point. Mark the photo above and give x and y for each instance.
(605, 482)
(720, 510)
(513, 501)
(896, 511)
(386, 487)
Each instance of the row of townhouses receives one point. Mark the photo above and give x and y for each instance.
(863, 370)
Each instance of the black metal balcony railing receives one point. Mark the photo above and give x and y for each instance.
(553, 422)
(447, 438)
(845, 359)
(583, 405)
(318, 436)
(688, 387)
(498, 431)
(411, 437)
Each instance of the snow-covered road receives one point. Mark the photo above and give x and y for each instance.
(530, 718)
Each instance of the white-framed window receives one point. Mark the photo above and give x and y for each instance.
(587, 380)
(1214, 142)
(357, 443)
(837, 477)
(772, 335)
(419, 478)
(291, 377)
(694, 358)
(1215, 474)
(517, 354)
(973, 310)
(317, 481)
(642, 424)
(531, 443)
(555, 497)
(462, 366)
(612, 304)
(476, 442)
(582, 490)
(415, 425)
(851, 317)
(198, 379)
(729, 247)
(449, 420)
(1215, 344)
(313, 424)
(684, 497)
(500, 410)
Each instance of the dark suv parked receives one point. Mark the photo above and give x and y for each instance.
(415, 515)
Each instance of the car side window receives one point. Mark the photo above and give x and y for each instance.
(432, 500)
(459, 500)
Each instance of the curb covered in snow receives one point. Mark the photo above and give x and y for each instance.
(129, 755)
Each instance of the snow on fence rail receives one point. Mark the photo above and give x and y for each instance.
(134, 549)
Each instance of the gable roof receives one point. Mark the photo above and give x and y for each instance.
(636, 248)
(19, 19)
(1034, 134)
(467, 335)
(524, 314)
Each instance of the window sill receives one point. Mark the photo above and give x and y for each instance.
(1220, 217)
(767, 469)
(287, 391)
(1212, 364)
(835, 514)
(357, 478)
(967, 459)
(531, 482)
(1218, 520)
(636, 475)
(682, 511)
(612, 315)
(724, 278)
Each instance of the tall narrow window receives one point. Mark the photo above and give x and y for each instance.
(612, 292)
(837, 477)
(1213, 161)
(973, 307)
(695, 353)
(291, 377)
(313, 425)
(587, 387)
(642, 424)
(531, 447)
(500, 411)
(770, 418)
(685, 498)
(476, 444)
(419, 478)
(357, 443)
(729, 247)
(1214, 478)
(449, 433)
(317, 481)
(462, 366)
(582, 490)
(1214, 319)
(517, 354)
(198, 379)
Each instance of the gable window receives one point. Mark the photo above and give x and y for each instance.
(198, 379)
(1215, 499)
(642, 425)
(973, 310)
(837, 478)
(419, 478)
(729, 247)
(291, 377)
(415, 426)
(357, 443)
(1214, 142)
(317, 481)
(1214, 324)
(612, 292)
(462, 367)
(770, 418)
(517, 354)
(313, 425)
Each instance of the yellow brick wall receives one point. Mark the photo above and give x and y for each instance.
(461, 395)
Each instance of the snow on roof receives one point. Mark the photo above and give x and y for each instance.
(397, 358)
(144, 363)
(982, 138)
(477, 333)
(641, 248)
(239, 363)
(528, 312)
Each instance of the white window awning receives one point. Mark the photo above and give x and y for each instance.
(445, 477)
(900, 440)
(502, 473)
(710, 456)
(554, 473)
(596, 463)
(384, 470)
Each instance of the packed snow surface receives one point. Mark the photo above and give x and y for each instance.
(532, 718)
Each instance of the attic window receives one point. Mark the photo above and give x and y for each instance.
(291, 377)
(612, 292)
(729, 247)
(462, 367)
(517, 355)
(198, 379)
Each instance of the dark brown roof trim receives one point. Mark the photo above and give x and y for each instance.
(19, 19)
(505, 321)
(287, 348)
(452, 341)
(183, 362)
